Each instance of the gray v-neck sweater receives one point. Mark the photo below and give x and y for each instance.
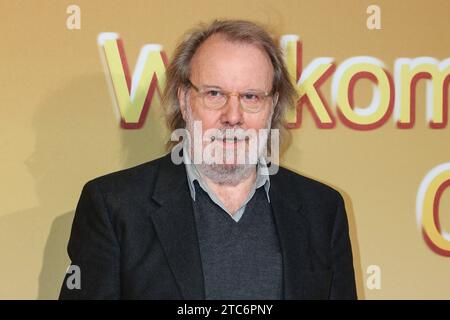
(241, 260)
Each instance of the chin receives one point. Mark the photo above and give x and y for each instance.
(229, 174)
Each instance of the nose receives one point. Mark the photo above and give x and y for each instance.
(232, 114)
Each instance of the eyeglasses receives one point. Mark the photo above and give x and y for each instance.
(251, 101)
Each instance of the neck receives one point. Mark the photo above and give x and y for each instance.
(232, 196)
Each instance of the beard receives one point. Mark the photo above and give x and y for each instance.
(222, 163)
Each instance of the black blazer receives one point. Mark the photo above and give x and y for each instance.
(134, 237)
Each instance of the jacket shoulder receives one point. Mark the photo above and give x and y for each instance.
(131, 181)
(312, 194)
(308, 189)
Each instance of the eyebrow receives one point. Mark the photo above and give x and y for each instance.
(208, 86)
(211, 86)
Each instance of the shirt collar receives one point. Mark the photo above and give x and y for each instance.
(262, 175)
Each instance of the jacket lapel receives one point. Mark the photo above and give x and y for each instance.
(293, 233)
(175, 226)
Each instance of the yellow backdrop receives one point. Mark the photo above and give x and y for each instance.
(59, 127)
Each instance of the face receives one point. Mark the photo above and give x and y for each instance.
(230, 67)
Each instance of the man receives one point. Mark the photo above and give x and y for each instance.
(214, 227)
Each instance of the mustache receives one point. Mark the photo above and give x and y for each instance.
(228, 134)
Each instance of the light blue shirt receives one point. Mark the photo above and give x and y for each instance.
(262, 179)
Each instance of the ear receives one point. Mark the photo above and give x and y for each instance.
(275, 99)
(181, 94)
(274, 105)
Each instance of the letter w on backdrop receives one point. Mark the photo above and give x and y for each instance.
(133, 96)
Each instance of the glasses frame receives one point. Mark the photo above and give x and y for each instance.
(237, 94)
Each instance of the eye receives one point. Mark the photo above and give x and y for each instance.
(213, 93)
(250, 97)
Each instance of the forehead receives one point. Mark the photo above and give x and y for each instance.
(231, 64)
